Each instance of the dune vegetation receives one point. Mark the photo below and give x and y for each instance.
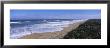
(91, 29)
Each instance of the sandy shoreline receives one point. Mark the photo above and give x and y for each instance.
(53, 35)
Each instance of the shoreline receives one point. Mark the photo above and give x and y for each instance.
(53, 35)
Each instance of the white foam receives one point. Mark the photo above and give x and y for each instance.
(41, 28)
(15, 22)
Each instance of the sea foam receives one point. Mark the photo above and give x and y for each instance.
(40, 28)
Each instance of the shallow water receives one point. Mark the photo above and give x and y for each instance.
(21, 28)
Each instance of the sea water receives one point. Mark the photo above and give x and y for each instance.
(20, 28)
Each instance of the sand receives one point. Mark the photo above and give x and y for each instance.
(53, 35)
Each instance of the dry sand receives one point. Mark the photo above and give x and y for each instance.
(53, 35)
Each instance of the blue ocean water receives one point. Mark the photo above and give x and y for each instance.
(20, 28)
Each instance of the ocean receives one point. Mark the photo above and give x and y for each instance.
(20, 28)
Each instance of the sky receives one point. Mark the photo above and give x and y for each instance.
(55, 14)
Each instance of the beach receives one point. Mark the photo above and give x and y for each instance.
(53, 35)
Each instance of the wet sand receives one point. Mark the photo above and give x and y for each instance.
(53, 35)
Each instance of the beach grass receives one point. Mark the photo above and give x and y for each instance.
(91, 29)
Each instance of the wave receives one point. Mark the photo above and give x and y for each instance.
(40, 28)
(15, 22)
(27, 21)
